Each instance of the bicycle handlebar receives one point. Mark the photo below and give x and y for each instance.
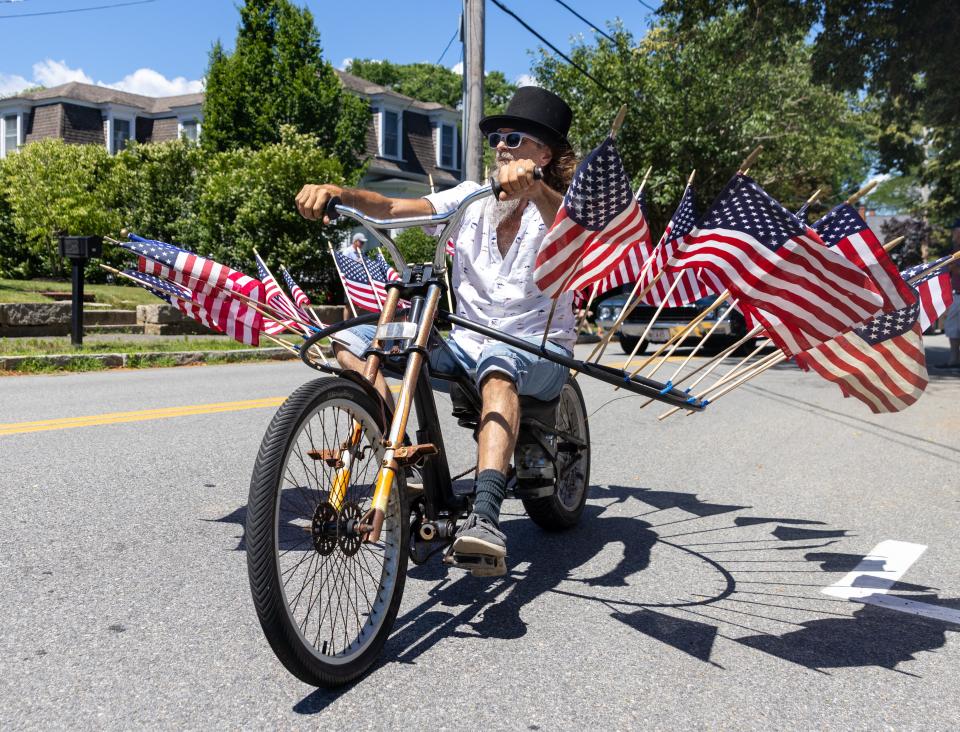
(335, 209)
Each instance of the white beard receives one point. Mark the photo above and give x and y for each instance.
(498, 210)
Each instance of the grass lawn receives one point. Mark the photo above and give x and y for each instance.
(61, 344)
(119, 296)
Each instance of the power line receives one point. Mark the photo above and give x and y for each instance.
(592, 26)
(556, 50)
(449, 43)
(652, 10)
(78, 10)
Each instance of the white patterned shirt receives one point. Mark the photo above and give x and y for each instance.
(498, 291)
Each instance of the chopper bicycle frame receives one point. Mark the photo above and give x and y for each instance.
(331, 518)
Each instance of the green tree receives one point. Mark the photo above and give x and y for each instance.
(902, 52)
(276, 75)
(52, 188)
(702, 99)
(245, 201)
(432, 82)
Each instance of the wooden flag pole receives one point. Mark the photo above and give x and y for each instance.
(710, 364)
(586, 307)
(747, 372)
(862, 192)
(687, 328)
(618, 121)
(696, 349)
(920, 275)
(750, 160)
(758, 369)
(646, 331)
(343, 284)
(433, 188)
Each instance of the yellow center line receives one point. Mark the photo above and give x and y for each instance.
(63, 423)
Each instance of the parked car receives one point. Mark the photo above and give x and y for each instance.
(669, 322)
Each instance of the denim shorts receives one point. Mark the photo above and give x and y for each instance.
(534, 376)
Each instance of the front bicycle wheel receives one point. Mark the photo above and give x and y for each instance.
(325, 599)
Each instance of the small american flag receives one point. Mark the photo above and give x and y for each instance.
(299, 296)
(362, 292)
(211, 284)
(594, 228)
(769, 260)
(934, 290)
(631, 265)
(881, 363)
(690, 289)
(164, 289)
(291, 316)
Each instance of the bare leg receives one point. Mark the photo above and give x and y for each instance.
(499, 423)
(349, 361)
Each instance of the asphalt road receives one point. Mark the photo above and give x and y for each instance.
(691, 595)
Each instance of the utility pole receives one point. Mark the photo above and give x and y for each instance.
(473, 34)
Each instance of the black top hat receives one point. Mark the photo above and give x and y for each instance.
(534, 110)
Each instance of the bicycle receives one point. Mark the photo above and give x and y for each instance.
(331, 520)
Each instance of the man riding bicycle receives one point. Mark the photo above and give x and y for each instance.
(496, 248)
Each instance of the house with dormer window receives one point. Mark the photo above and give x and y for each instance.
(408, 142)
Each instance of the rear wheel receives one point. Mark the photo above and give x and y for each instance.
(326, 600)
(628, 343)
(562, 509)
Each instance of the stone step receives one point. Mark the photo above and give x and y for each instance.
(109, 317)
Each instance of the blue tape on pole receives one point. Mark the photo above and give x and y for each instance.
(691, 400)
(667, 389)
(687, 390)
(704, 403)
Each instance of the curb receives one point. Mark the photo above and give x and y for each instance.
(144, 358)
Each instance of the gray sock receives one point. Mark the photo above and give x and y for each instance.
(491, 490)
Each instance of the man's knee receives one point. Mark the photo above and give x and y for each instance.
(497, 383)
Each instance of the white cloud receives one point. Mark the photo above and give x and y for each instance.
(12, 84)
(457, 68)
(142, 81)
(53, 73)
(154, 84)
(345, 63)
(525, 80)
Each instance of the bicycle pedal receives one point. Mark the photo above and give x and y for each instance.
(479, 565)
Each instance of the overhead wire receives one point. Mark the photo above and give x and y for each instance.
(78, 10)
(553, 48)
(593, 27)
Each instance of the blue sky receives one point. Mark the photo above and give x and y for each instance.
(161, 47)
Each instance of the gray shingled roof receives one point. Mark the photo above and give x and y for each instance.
(362, 86)
(104, 95)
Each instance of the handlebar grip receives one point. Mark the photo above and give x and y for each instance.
(331, 212)
(498, 189)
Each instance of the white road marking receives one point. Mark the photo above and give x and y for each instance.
(869, 585)
(894, 558)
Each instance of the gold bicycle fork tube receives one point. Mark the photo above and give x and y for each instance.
(389, 466)
(341, 479)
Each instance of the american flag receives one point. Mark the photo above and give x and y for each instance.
(845, 230)
(881, 363)
(594, 228)
(631, 265)
(690, 289)
(164, 289)
(299, 296)
(365, 294)
(211, 284)
(769, 260)
(934, 289)
(291, 316)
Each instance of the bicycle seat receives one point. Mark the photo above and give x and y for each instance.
(466, 407)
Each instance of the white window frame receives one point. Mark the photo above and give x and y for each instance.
(439, 128)
(183, 121)
(382, 133)
(112, 118)
(4, 115)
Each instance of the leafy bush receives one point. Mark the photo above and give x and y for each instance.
(51, 188)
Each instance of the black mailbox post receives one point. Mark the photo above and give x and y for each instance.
(78, 249)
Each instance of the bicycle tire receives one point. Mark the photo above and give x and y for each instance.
(562, 509)
(277, 509)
